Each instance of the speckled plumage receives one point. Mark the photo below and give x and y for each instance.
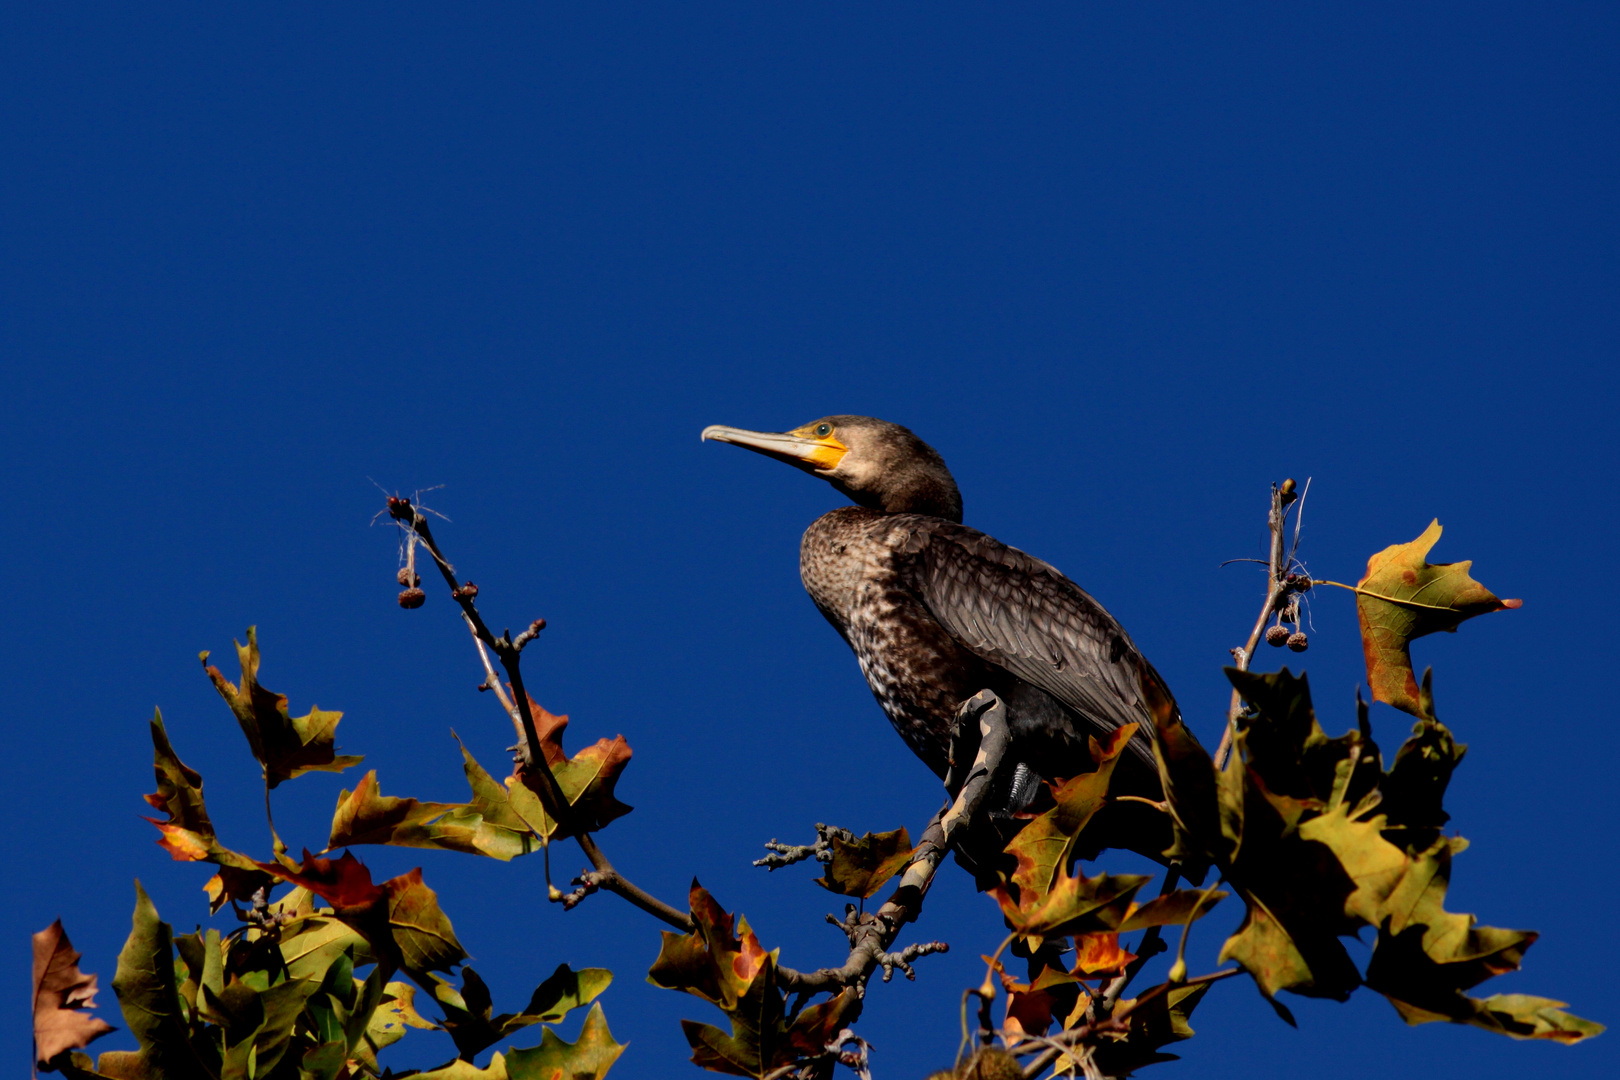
(936, 611)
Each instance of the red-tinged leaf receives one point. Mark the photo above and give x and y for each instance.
(860, 867)
(717, 961)
(817, 1027)
(1047, 843)
(1100, 954)
(62, 996)
(1075, 905)
(1403, 597)
(188, 834)
(286, 746)
(344, 882)
(587, 780)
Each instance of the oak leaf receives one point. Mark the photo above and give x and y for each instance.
(1403, 597)
(286, 746)
(62, 996)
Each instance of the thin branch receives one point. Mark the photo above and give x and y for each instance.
(1276, 590)
(532, 763)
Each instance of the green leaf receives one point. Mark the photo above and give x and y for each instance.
(395, 1013)
(1074, 905)
(1403, 597)
(1155, 1023)
(149, 997)
(1047, 843)
(587, 1058)
(420, 929)
(467, 1014)
(860, 867)
(286, 746)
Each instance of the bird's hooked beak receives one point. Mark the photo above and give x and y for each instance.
(803, 447)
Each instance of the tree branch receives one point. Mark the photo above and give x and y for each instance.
(531, 761)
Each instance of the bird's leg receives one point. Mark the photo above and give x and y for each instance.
(991, 714)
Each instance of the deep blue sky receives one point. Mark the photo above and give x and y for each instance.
(1123, 266)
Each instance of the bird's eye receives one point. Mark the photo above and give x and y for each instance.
(823, 430)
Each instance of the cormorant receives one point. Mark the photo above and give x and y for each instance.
(936, 611)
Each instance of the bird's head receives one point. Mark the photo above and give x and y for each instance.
(877, 464)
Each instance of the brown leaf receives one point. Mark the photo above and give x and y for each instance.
(587, 779)
(1403, 597)
(860, 867)
(62, 993)
(286, 745)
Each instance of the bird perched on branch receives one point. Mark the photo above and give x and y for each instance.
(936, 611)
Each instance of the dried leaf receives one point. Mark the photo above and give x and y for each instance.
(587, 1058)
(1403, 597)
(860, 867)
(286, 746)
(62, 994)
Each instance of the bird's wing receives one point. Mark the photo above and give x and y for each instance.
(1021, 614)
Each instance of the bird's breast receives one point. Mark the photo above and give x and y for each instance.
(915, 669)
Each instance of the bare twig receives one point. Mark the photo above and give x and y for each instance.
(531, 762)
(871, 935)
(787, 854)
(1278, 587)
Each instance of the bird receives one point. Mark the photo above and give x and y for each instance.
(936, 611)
